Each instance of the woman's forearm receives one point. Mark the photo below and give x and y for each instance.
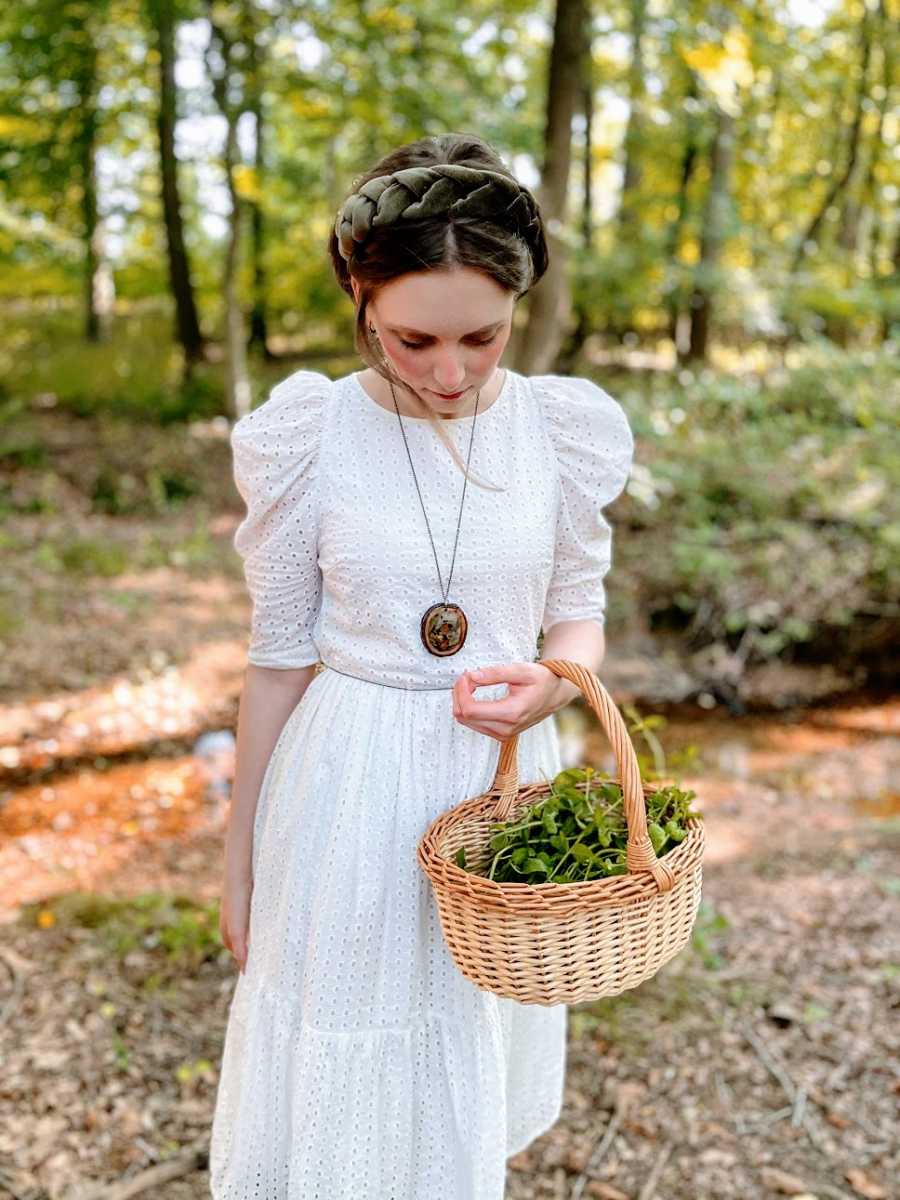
(583, 642)
(268, 698)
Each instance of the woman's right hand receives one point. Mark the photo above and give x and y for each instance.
(234, 916)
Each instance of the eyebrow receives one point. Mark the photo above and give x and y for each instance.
(419, 333)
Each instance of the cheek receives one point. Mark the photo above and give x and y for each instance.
(405, 359)
(483, 359)
(487, 357)
(409, 362)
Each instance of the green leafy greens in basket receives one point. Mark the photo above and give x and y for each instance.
(578, 831)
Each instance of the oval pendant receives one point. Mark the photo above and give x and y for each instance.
(444, 628)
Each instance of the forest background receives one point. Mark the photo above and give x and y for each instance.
(720, 182)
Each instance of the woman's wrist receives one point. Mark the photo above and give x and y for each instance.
(238, 861)
(564, 692)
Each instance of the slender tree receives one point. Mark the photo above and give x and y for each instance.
(230, 98)
(842, 178)
(187, 325)
(256, 60)
(687, 163)
(712, 234)
(550, 302)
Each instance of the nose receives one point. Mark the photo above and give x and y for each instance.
(449, 373)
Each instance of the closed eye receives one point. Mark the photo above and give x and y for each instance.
(422, 345)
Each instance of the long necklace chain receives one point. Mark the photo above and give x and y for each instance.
(445, 592)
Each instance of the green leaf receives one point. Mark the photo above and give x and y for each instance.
(675, 832)
(657, 836)
(535, 864)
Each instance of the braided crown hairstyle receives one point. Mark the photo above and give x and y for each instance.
(442, 201)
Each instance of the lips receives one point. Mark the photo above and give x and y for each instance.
(451, 395)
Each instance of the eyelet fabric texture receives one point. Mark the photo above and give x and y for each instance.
(359, 1063)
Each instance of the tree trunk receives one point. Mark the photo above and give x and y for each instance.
(259, 323)
(673, 240)
(93, 297)
(187, 326)
(567, 359)
(870, 188)
(840, 181)
(633, 130)
(549, 301)
(714, 224)
(238, 392)
(237, 381)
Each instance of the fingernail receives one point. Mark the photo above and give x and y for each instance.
(476, 674)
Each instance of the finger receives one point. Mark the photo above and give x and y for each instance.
(494, 728)
(517, 672)
(501, 735)
(499, 709)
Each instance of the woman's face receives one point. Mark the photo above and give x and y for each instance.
(443, 332)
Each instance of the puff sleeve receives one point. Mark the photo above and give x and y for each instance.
(594, 449)
(275, 453)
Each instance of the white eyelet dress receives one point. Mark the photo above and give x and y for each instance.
(359, 1063)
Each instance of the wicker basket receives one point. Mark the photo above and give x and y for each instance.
(562, 943)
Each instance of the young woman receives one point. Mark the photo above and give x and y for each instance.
(411, 527)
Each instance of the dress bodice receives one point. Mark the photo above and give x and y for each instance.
(337, 557)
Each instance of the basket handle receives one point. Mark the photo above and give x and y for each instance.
(639, 854)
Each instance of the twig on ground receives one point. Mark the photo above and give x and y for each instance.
(792, 1090)
(193, 1158)
(6, 1181)
(597, 1155)
(648, 1191)
(18, 985)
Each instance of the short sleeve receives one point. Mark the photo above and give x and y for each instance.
(594, 449)
(275, 452)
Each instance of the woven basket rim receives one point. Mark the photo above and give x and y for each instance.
(631, 888)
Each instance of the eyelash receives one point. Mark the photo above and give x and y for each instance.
(422, 345)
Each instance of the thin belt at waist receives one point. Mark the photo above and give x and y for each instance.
(409, 687)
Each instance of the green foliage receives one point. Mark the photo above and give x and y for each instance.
(763, 510)
(82, 556)
(710, 923)
(581, 825)
(175, 928)
(136, 372)
(655, 764)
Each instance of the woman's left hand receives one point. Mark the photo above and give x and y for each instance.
(534, 693)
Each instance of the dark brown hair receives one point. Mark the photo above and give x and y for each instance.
(513, 255)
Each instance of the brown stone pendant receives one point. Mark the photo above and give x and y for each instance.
(444, 628)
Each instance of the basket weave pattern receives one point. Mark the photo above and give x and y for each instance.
(562, 943)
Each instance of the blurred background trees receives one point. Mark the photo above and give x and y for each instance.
(711, 173)
(720, 183)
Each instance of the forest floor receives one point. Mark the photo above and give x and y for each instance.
(761, 1062)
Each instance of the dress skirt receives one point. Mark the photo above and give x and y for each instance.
(359, 1063)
